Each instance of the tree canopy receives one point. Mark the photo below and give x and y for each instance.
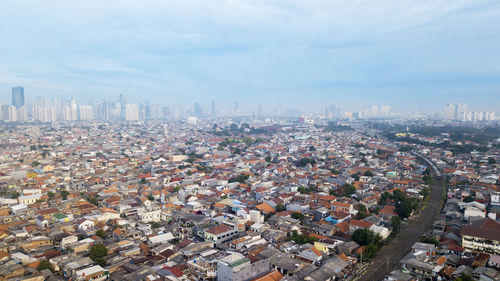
(97, 254)
(364, 236)
(45, 264)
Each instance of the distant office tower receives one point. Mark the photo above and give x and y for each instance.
(461, 110)
(5, 112)
(74, 110)
(167, 112)
(385, 110)
(131, 112)
(213, 109)
(18, 96)
(198, 111)
(259, 110)
(489, 116)
(147, 111)
(374, 111)
(449, 111)
(86, 112)
(142, 111)
(333, 111)
(123, 103)
(456, 112)
(236, 108)
(155, 111)
(103, 110)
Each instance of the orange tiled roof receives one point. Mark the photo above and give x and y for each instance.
(264, 207)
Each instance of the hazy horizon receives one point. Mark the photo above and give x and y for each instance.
(415, 56)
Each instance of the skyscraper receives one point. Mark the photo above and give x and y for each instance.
(461, 111)
(449, 111)
(333, 111)
(198, 111)
(213, 111)
(123, 103)
(17, 96)
(236, 108)
(455, 111)
(385, 110)
(132, 112)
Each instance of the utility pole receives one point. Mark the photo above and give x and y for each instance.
(387, 267)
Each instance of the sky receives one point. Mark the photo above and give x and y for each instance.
(415, 55)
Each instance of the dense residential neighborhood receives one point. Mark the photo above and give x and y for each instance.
(241, 201)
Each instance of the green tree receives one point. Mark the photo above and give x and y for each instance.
(427, 171)
(306, 160)
(154, 224)
(361, 215)
(425, 192)
(395, 224)
(364, 236)
(45, 264)
(280, 208)
(492, 161)
(429, 240)
(368, 173)
(468, 199)
(398, 196)
(304, 190)
(241, 178)
(427, 179)
(404, 208)
(301, 238)
(386, 196)
(464, 277)
(51, 195)
(297, 215)
(101, 233)
(248, 141)
(346, 190)
(35, 164)
(64, 194)
(94, 201)
(362, 212)
(97, 254)
(362, 208)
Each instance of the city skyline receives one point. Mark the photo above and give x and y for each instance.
(217, 108)
(415, 56)
(60, 109)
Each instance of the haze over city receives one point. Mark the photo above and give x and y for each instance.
(263, 140)
(415, 56)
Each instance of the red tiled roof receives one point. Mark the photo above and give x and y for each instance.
(218, 229)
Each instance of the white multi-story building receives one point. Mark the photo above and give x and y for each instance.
(86, 112)
(131, 112)
(482, 236)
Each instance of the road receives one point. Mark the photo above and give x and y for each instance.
(387, 259)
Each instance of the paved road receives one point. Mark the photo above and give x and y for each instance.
(387, 259)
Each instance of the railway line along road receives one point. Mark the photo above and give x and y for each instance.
(387, 259)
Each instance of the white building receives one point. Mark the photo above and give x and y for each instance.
(131, 112)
